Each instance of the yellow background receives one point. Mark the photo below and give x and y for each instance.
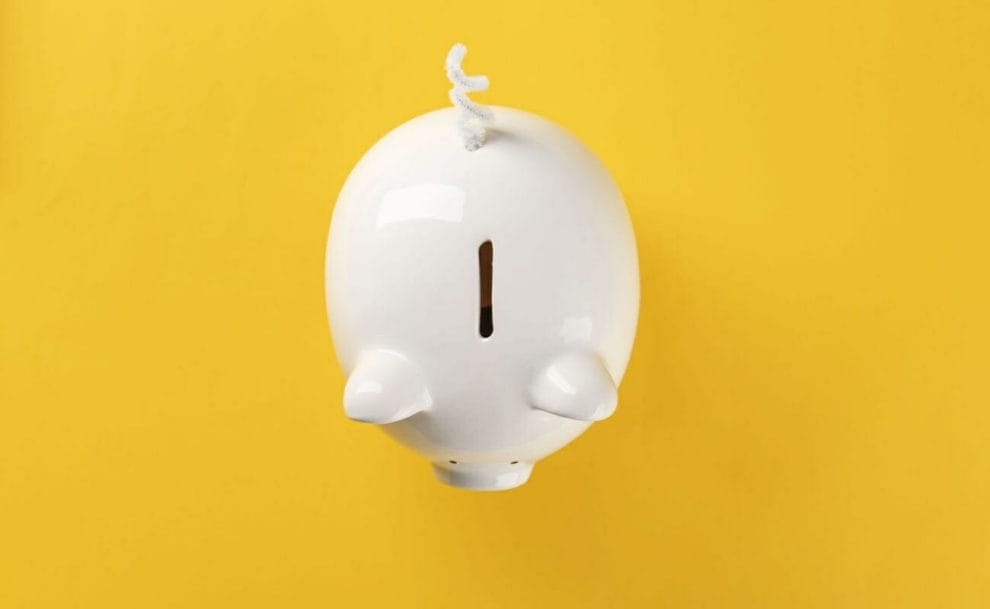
(806, 417)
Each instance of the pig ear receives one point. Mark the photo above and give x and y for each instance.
(385, 387)
(575, 385)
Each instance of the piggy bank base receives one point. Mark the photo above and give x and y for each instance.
(483, 477)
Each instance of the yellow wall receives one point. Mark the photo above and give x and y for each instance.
(806, 418)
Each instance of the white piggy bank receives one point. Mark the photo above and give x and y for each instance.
(483, 303)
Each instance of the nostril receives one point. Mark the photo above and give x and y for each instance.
(452, 462)
(513, 462)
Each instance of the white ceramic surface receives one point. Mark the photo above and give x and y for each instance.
(403, 293)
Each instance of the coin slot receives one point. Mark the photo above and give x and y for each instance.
(486, 322)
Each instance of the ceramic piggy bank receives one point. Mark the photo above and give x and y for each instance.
(482, 295)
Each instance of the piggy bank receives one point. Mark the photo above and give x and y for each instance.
(482, 302)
